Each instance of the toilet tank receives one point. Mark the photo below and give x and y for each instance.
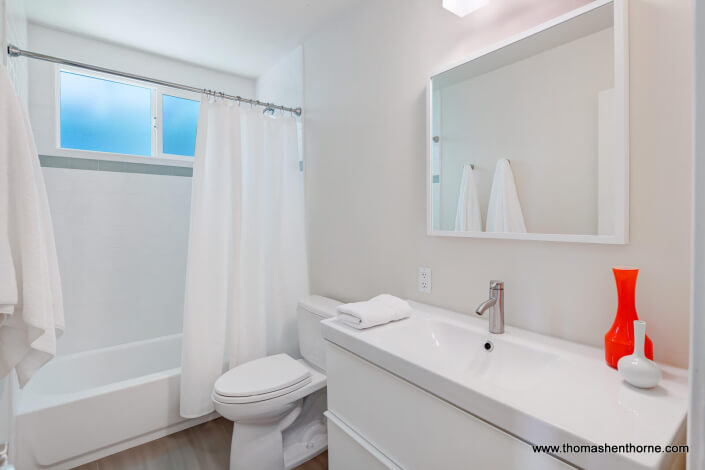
(311, 311)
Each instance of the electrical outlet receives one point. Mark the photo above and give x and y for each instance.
(425, 280)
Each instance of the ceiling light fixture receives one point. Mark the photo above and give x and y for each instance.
(463, 7)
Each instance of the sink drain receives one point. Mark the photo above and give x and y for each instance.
(489, 346)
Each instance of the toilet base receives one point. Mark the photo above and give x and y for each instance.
(259, 444)
(282, 440)
(308, 436)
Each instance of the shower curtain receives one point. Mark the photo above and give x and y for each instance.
(247, 264)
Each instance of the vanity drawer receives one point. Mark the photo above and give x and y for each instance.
(415, 429)
(348, 451)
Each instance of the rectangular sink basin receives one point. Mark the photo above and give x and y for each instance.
(468, 353)
(486, 357)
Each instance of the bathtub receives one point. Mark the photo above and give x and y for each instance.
(85, 406)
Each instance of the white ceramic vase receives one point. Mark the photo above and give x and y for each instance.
(637, 369)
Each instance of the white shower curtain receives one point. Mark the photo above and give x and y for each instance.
(247, 264)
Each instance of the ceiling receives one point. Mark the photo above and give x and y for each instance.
(244, 37)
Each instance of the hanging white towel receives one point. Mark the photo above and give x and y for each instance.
(378, 310)
(31, 310)
(467, 216)
(504, 211)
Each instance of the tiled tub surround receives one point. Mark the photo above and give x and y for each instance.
(84, 406)
(49, 161)
(121, 238)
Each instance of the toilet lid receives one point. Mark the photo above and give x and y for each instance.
(265, 376)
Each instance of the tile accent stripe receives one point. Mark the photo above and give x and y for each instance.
(50, 161)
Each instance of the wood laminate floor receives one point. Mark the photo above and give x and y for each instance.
(202, 447)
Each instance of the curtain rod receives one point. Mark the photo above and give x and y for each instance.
(14, 51)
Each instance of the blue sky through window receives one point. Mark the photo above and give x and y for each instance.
(179, 124)
(105, 116)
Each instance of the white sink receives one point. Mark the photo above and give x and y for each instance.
(486, 357)
(541, 389)
(468, 352)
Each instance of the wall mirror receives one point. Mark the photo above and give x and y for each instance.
(529, 139)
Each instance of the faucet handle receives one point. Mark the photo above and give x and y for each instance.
(496, 285)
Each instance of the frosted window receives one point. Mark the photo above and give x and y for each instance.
(105, 116)
(179, 120)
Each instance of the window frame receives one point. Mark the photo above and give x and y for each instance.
(157, 157)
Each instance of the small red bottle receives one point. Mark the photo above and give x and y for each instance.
(619, 340)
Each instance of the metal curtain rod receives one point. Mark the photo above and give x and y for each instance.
(14, 51)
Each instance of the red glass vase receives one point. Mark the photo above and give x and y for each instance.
(619, 340)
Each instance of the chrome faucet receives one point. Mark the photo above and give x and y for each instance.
(496, 306)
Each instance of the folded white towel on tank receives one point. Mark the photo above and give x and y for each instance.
(378, 310)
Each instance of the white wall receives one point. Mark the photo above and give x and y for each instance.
(541, 113)
(121, 237)
(283, 82)
(16, 33)
(696, 412)
(365, 78)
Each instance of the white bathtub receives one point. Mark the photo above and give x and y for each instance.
(84, 406)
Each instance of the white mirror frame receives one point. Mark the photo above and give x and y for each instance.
(621, 85)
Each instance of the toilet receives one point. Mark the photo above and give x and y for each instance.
(277, 402)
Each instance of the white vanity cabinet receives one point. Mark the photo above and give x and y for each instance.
(426, 393)
(378, 420)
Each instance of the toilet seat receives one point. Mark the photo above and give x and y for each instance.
(262, 379)
(261, 397)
